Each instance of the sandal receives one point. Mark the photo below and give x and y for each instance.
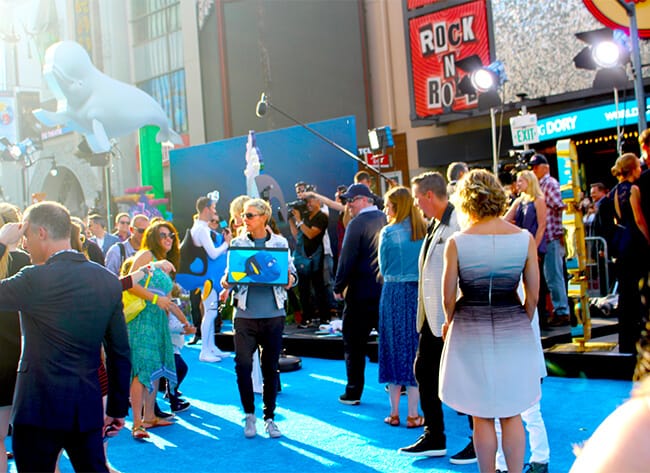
(140, 433)
(156, 422)
(414, 421)
(392, 420)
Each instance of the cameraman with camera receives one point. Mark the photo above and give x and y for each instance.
(308, 225)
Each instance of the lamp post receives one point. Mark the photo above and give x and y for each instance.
(630, 9)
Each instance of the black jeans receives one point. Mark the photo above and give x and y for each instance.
(427, 364)
(310, 276)
(359, 318)
(36, 449)
(249, 334)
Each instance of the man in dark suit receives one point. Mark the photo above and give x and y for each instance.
(69, 307)
(358, 273)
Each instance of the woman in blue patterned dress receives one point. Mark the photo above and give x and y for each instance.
(152, 353)
(399, 246)
(490, 365)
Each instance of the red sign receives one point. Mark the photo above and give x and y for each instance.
(413, 4)
(379, 160)
(612, 14)
(437, 41)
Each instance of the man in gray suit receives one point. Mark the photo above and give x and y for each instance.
(97, 226)
(69, 308)
(430, 193)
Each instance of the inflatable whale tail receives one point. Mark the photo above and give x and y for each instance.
(169, 135)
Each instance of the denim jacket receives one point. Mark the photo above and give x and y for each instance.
(240, 292)
(398, 254)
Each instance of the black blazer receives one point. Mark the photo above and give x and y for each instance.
(358, 267)
(69, 306)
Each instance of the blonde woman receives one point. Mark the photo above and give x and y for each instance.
(399, 247)
(236, 209)
(10, 264)
(529, 209)
(490, 347)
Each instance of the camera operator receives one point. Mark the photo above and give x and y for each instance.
(308, 226)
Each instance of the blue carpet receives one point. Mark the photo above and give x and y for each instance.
(322, 435)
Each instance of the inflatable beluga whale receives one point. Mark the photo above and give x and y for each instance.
(94, 104)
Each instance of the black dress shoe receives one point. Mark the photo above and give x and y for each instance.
(425, 446)
(180, 406)
(349, 400)
(160, 414)
(10, 456)
(194, 341)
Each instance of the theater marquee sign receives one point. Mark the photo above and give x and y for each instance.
(440, 33)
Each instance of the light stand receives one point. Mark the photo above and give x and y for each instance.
(630, 9)
(264, 104)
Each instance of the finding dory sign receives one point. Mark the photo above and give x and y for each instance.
(258, 266)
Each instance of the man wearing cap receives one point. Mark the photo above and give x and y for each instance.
(200, 231)
(554, 259)
(358, 275)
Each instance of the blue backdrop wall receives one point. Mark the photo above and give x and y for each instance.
(289, 155)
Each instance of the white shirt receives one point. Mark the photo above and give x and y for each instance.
(201, 237)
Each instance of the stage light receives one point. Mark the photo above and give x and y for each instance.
(481, 80)
(380, 138)
(606, 54)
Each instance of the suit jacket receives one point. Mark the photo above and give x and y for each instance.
(430, 283)
(358, 268)
(109, 240)
(603, 224)
(69, 306)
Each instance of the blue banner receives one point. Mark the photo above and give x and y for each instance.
(587, 120)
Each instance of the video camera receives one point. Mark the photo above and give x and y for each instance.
(301, 204)
(522, 158)
(340, 190)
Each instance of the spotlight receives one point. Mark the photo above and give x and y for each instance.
(481, 80)
(606, 54)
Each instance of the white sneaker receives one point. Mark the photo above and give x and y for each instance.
(250, 430)
(221, 354)
(272, 429)
(209, 358)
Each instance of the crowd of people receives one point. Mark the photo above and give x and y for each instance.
(451, 273)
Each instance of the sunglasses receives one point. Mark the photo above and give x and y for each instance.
(164, 235)
(214, 220)
(249, 215)
(124, 222)
(140, 230)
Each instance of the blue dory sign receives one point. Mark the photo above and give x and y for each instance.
(587, 120)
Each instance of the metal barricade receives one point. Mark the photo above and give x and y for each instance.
(597, 267)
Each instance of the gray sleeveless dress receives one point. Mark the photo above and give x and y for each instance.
(490, 360)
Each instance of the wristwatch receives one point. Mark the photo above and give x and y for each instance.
(299, 224)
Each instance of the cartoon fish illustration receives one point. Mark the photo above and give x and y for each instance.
(262, 267)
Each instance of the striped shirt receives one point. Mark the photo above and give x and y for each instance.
(554, 205)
